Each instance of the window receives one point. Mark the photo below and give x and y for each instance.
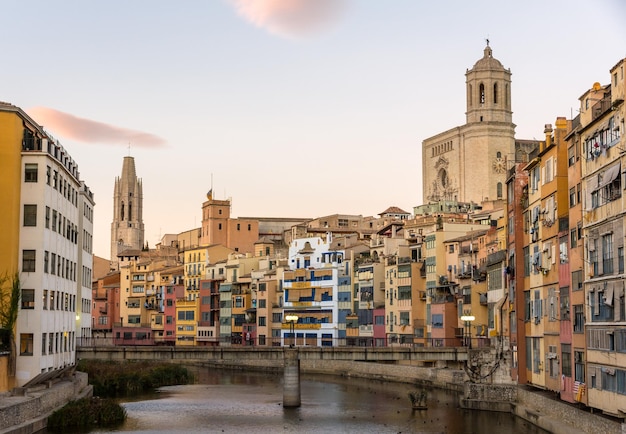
(593, 256)
(573, 238)
(607, 254)
(437, 320)
(26, 344)
(30, 215)
(186, 315)
(404, 318)
(43, 344)
(404, 293)
(553, 363)
(579, 319)
(563, 250)
(262, 321)
(620, 260)
(579, 366)
(536, 355)
(28, 298)
(262, 303)
(565, 304)
(577, 280)
(566, 358)
(572, 197)
(30, 173)
(571, 155)
(134, 319)
(28, 261)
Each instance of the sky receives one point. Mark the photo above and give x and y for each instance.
(290, 108)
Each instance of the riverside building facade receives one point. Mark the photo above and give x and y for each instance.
(48, 230)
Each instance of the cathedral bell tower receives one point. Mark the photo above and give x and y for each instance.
(488, 91)
(469, 163)
(127, 230)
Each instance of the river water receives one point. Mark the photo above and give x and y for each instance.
(238, 402)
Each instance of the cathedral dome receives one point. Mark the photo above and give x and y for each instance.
(488, 61)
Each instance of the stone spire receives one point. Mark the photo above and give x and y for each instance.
(127, 230)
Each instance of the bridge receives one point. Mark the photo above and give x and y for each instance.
(440, 357)
(442, 367)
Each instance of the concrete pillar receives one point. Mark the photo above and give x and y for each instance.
(291, 378)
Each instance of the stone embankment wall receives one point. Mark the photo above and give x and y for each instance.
(550, 414)
(561, 418)
(450, 379)
(27, 411)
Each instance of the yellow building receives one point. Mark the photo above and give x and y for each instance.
(186, 321)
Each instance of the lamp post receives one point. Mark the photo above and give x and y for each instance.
(292, 320)
(468, 331)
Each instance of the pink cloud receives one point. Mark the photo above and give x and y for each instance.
(290, 17)
(89, 131)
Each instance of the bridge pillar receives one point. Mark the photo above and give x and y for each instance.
(291, 378)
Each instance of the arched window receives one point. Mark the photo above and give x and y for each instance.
(130, 211)
(481, 93)
(470, 94)
(499, 190)
(498, 154)
(122, 212)
(495, 93)
(506, 95)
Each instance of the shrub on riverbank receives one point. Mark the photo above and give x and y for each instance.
(87, 413)
(114, 379)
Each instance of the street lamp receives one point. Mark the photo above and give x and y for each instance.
(468, 331)
(292, 320)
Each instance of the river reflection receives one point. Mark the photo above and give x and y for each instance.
(237, 402)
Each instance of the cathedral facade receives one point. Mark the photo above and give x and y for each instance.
(469, 163)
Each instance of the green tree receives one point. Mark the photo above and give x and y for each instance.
(10, 292)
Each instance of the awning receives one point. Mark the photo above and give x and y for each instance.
(226, 287)
(608, 295)
(609, 176)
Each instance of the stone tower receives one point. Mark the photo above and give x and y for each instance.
(469, 163)
(215, 221)
(127, 231)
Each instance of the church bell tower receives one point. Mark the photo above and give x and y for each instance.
(127, 230)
